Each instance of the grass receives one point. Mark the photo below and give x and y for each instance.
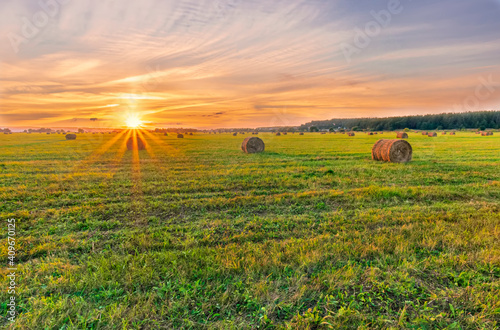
(192, 233)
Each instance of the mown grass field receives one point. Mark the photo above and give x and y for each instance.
(192, 233)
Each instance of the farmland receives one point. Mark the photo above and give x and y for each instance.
(194, 233)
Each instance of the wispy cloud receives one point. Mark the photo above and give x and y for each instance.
(233, 62)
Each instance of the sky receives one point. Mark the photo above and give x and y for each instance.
(243, 63)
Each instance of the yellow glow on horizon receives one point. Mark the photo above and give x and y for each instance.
(133, 121)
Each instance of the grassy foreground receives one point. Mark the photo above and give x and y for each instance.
(192, 233)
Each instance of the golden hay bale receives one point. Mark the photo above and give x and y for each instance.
(278, 134)
(166, 134)
(432, 134)
(395, 151)
(351, 134)
(180, 136)
(70, 136)
(235, 134)
(252, 145)
(285, 133)
(190, 133)
(489, 133)
(444, 133)
(301, 133)
(425, 133)
(371, 133)
(452, 133)
(402, 135)
(138, 140)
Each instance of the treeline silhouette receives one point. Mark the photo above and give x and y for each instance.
(466, 120)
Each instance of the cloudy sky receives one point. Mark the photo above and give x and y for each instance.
(244, 63)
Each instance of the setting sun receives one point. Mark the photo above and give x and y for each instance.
(133, 122)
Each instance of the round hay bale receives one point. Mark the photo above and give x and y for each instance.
(166, 134)
(235, 134)
(140, 144)
(301, 133)
(285, 133)
(444, 133)
(180, 136)
(394, 151)
(278, 134)
(351, 134)
(252, 145)
(191, 133)
(371, 133)
(489, 133)
(402, 135)
(433, 134)
(70, 136)
(452, 133)
(425, 133)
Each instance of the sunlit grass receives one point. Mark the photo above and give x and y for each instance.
(312, 233)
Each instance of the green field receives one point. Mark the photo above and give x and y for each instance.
(193, 233)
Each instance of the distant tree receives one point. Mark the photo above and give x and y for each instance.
(407, 129)
(313, 129)
(439, 128)
(355, 128)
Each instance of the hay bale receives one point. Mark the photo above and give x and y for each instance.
(425, 133)
(371, 133)
(351, 134)
(140, 144)
(235, 134)
(278, 134)
(166, 134)
(432, 134)
(70, 136)
(180, 136)
(402, 135)
(190, 133)
(301, 133)
(444, 133)
(489, 133)
(285, 133)
(252, 145)
(394, 151)
(452, 133)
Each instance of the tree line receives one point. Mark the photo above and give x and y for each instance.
(466, 120)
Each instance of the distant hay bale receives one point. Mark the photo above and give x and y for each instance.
(278, 134)
(252, 145)
(452, 133)
(191, 133)
(394, 151)
(166, 134)
(444, 133)
(70, 136)
(140, 144)
(402, 135)
(489, 133)
(235, 134)
(351, 134)
(432, 134)
(323, 133)
(371, 133)
(284, 133)
(301, 133)
(180, 136)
